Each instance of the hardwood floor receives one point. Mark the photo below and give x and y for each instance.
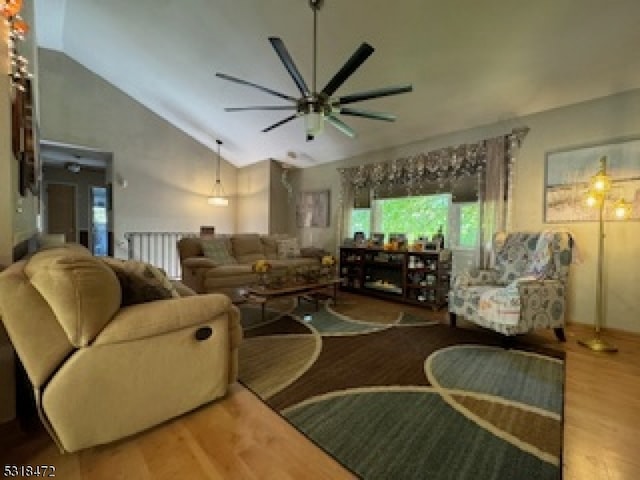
(239, 437)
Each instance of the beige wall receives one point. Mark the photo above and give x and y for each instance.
(589, 122)
(253, 198)
(280, 205)
(168, 174)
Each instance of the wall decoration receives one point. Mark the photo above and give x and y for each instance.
(567, 175)
(312, 209)
(16, 122)
(29, 155)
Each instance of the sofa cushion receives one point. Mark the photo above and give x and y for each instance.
(247, 248)
(217, 249)
(141, 282)
(82, 291)
(288, 248)
(270, 244)
(189, 247)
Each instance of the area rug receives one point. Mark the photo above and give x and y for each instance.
(409, 399)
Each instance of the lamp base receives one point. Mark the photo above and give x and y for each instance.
(598, 345)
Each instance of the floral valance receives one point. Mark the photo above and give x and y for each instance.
(443, 165)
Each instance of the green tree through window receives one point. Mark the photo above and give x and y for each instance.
(414, 216)
(417, 216)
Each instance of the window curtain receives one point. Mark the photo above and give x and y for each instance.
(490, 161)
(493, 199)
(345, 208)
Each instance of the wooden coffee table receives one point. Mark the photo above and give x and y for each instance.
(262, 295)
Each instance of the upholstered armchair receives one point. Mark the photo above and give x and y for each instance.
(524, 291)
(103, 368)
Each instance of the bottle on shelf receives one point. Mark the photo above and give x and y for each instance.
(438, 238)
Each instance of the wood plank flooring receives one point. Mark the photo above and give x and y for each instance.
(239, 437)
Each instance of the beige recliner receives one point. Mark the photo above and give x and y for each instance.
(100, 371)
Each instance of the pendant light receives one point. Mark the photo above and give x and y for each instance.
(217, 196)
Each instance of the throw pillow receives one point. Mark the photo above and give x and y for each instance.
(541, 264)
(216, 249)
(141, 282)
(541, 260)
(288, 248)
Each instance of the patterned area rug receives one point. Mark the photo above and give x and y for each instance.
(410, 398)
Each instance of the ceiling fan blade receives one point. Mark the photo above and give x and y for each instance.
(357, 59)
(283, 53)
(340, 125)
(367, 114)
(259, 87)
(380, 92)
(267, 107)
(281, 122)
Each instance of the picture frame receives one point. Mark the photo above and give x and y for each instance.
(567, 175)
(25, 137)
(207, 231)
(312, 209)
(17, 115)
(377, 240)
(359, 239)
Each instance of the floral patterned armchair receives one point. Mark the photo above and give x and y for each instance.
(524, 291)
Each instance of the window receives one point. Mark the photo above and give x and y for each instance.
(420, 215)
(361, 221)
(469, 230)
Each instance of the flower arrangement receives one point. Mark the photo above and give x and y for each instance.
(328, 261)
(261, 266)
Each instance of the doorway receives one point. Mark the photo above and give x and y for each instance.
(61, 210)
(90, 170)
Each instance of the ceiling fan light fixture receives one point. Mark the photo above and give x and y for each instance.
(314, 123)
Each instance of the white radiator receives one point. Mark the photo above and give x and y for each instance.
(160, 249)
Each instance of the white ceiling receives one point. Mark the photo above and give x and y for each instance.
(470, 62)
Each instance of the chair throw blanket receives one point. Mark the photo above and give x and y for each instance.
(502, 304)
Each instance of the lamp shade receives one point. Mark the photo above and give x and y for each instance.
(313, 123)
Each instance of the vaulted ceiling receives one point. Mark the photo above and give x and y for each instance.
(470, 62)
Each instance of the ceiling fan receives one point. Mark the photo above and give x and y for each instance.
(316, 107)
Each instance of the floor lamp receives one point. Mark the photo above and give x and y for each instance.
(597, 195)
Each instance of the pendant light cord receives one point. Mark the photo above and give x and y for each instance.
(218, 164)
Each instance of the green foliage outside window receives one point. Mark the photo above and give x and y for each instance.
(417, 216)
(469, 224)
(361, 221)
(414, 216)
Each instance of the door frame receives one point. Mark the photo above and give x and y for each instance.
(90, 212)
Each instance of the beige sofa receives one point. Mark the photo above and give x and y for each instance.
(204, 275)
(101, 371)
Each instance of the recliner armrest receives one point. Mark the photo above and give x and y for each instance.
(199, 262)
(531, 286)
(151, 319)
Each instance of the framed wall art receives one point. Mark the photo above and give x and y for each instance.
(25, 140)
(312, 209)
(567, 175)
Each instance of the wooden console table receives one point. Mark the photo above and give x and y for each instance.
(419, 278)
